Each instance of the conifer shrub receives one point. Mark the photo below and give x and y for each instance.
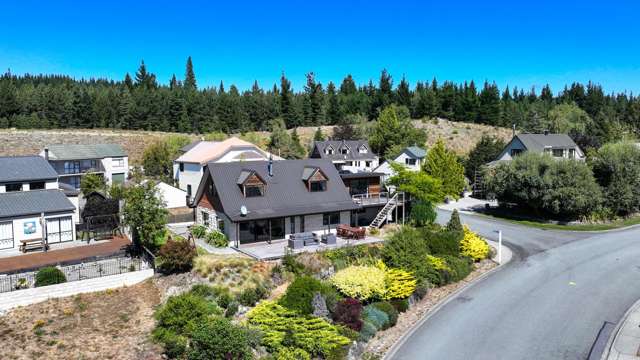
(347, 313)
(49, 276)
(218, 338)
(458, 268)
(388, 309)
(454, 223)
(399, 284)
(368, 331)
(360, 282)
(443, 242)
(401, 305)
(300, 293)
(375, 316)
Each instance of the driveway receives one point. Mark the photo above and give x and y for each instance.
(549, 302)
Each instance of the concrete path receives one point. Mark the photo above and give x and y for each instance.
(625, 341)
(549, 302)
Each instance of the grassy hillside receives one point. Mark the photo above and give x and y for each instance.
(461, 137)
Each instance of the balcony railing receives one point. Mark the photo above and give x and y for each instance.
(371, 198)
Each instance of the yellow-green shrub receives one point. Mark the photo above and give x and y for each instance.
(400, 284)
(284, 328)
(360, 282)
(473, 246)
(437, 262)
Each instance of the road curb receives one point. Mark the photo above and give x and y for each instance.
(609, 349)
(392, 351)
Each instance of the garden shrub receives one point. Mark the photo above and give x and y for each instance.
(360, 282)
(218, 338)
(174, 345)
(291, 264)
(421, 291)
(401, 305)
(353, 255)
(422, 213)
(347, 313)
(250, 296)
(438, 263)
(285, 328)
(399, 284)
(300, 293)
(286, 353)
(217, 239)
(221, 295)
(473, 246)
(232, 309)
(368, 331)
(198, 231)
(443, 242)
(176, 256)
(388, 309)
(49, 276)
(454, 224)
(406, 249)
(458, 268)
(375, 316)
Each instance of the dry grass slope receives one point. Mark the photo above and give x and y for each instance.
(460, 137)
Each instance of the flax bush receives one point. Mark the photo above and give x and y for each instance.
(283, 328)
(473, 246)
(361, 282)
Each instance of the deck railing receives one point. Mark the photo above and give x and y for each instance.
(372, 198)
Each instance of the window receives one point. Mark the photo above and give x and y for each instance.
(410, 161)
(253, 190)
(277, 228)
(356, 163)
(221, 225)
(572, 153)
(317, 186)
(362, 150)
(93, 164)
(302, 223)
(331, 218)
(71, 167)
(344, 151)
(117, 162)
(117, 178)
(205, 218)
(328, 151)
(13, 187)
(367, 163)
(292, 225)
(75, 182)
(181, 167)
(516, 152)
(189, 191)
(37, 185)
(558, 153)
(348, 163)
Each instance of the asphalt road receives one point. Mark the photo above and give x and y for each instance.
(549, 302)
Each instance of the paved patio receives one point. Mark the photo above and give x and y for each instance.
(277, 248)
(62, 253)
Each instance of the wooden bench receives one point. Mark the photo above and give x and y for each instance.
(31, 244)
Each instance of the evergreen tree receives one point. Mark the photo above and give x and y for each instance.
(312, 101)
(486, 150)
(190, 77)
(454, 224)
(287, 109)
(489, 111)
(443, 164)
(318, 135)
(9, 105)
(403, 93)
(334, 113)
(394, 129)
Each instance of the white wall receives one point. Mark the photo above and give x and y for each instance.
(358, 165)
(49, 184)
(111, 168)
(172, 196)
(18, 227)
(191, 175)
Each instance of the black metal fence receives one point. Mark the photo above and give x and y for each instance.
(82, 271)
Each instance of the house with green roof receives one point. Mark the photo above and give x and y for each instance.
(72, 161)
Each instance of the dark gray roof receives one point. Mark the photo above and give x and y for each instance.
(189, 146)
(21, 203)
(320, 146)
(285, 192)
(416, 152)
(85, 151)
(538, 142)
(360, 175)
(25, 168)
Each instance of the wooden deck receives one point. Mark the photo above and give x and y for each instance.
(71, 254)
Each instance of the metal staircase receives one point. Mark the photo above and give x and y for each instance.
(384, 212)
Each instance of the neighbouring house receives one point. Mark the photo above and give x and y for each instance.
(256, 201)
(72, 161)
(42, 216)
(557, 145)
(188, 168)
(347, 155)
(411, 157)
(175, 201)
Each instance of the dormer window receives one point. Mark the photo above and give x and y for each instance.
(410, 161)
(251, 184)
(344, 150)
(329, 150)
(363, 149)
(315, 179)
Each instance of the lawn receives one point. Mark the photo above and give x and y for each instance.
(612, 225)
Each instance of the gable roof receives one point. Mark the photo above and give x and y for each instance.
(190, 146)
(206, 151)
(25, 168)
(538, 142)
(416, 152)
(21, 203)
(353, 145)
(285, 193)
(84, 151)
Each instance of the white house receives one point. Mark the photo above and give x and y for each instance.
(188, 168)
(72, 161)
(411, 157)
(351, 156)
(32, 208)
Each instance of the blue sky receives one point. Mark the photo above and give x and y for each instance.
(511, 42)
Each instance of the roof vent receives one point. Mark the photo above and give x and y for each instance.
(270, 166)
